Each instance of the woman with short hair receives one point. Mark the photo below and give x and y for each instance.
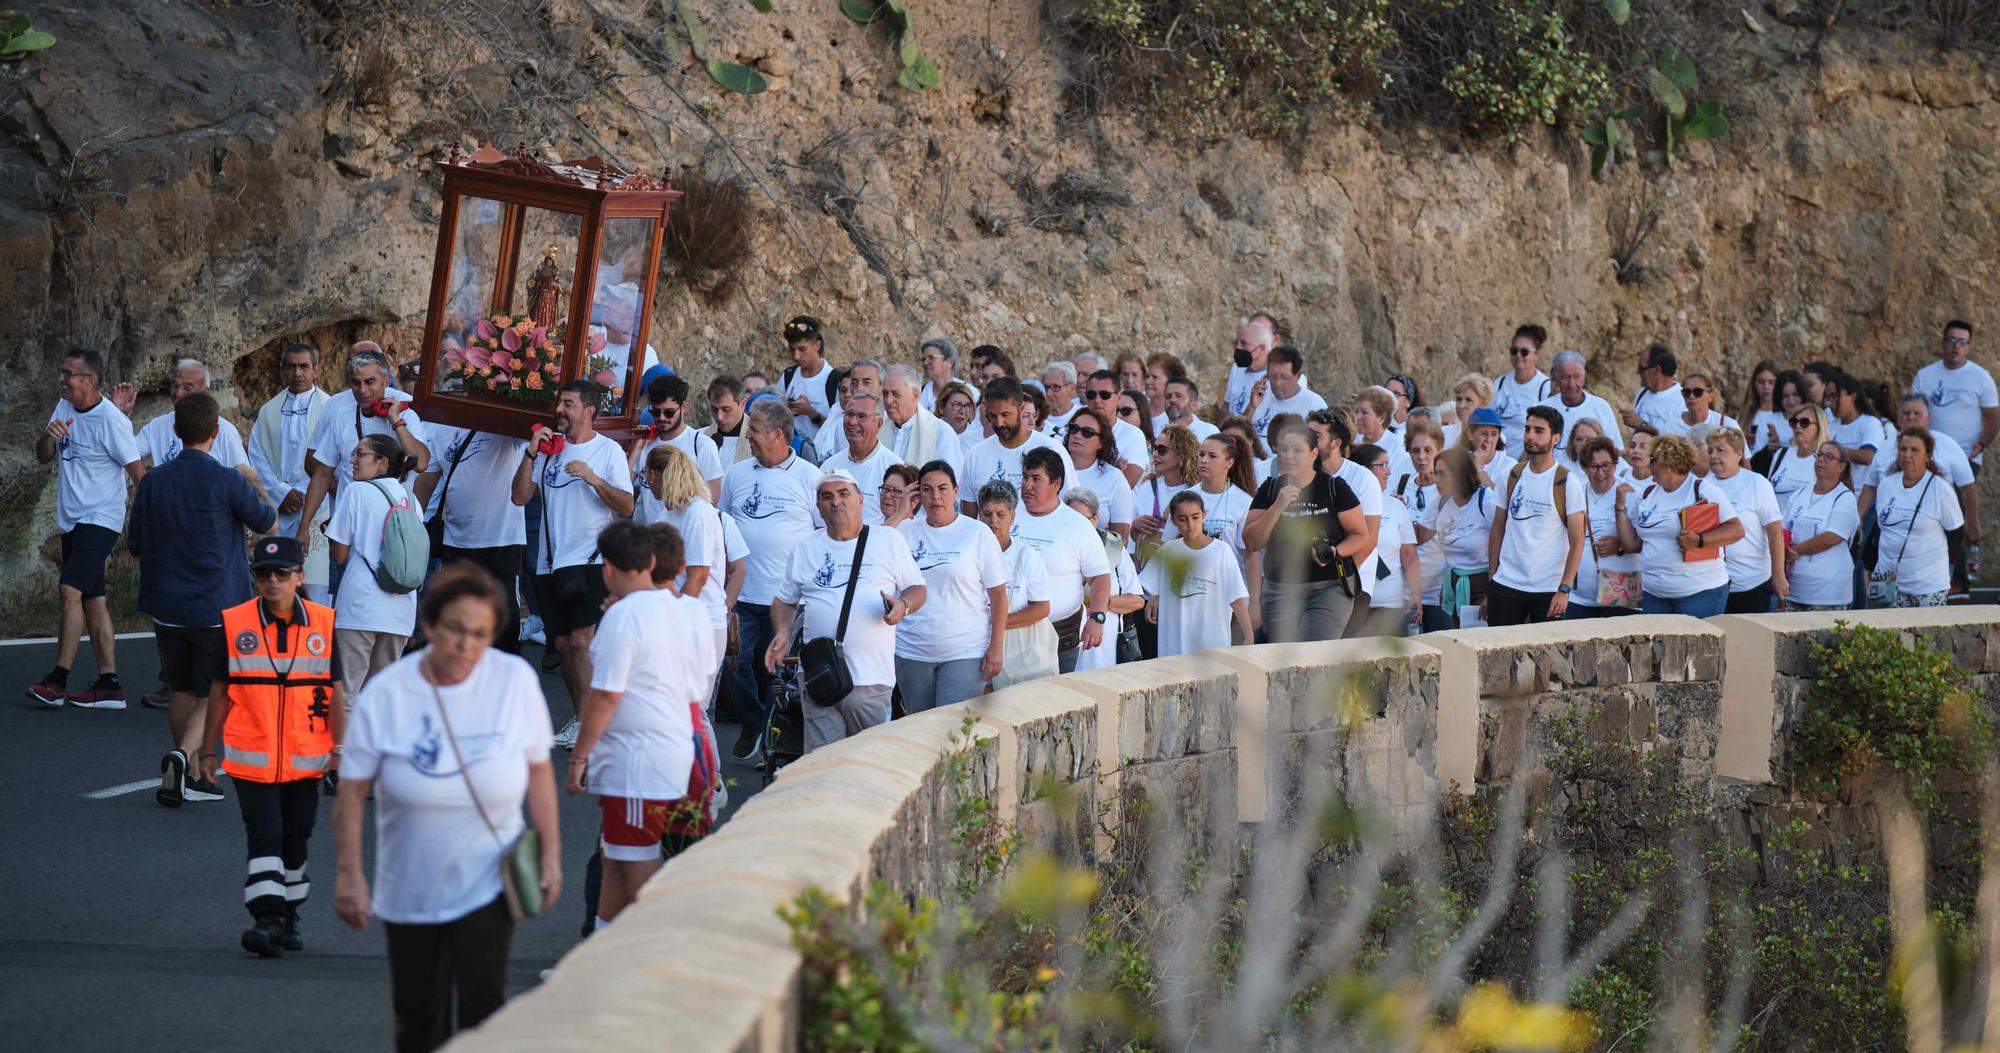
(1822, 519)
(1468, 393)
(1126, 597)
(1309, 526)
(1756, 563)
(1093, 453)
(941, 656)
(1464, 526)
(371, 625)
(449, 742)
(1914, 507)
(1654, 524)
(959, 408)
(1607, 575)
(898, 495)
(1029, 646)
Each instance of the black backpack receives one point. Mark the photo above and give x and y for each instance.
(833, 379)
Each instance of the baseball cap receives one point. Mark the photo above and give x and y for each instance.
(837, 475)
(277, 550)
(1486, 416)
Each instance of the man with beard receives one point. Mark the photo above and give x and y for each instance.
(1540, 513)
(279, 441)
(667, 395)
(998, 456)
(369, 406)
(725, 408)
(584, 483)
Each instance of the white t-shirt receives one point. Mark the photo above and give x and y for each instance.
(1662, 409)
(1071, 552)
(435, 859)
(1055, 422)
(358, 515)
(573, 513)
(707, 456)
(651, 647)
(959, 562)
(813, 390)
(1114, 494)
(817, 577)
(1749, 560)
(1601, 512)
(867, 473)
(1593, 408)
(1761, 423)
(1201, 428)
(1792, 471)
(1919, 516)
(1222, 517)
(1306, 401)
(1946, 453)
(989, 460)
(1714, 420)
(90, 465)
(1131, 440)
(1535, 547)
(1956, 397)
(333, 445)
(1655, 512)
(1422, 503)
(1124, 582)
(1027, 578)
(1237, 394)
(479, 509)
(1195, 589)
(1463, 530)
(775, 508)
(1368, 490)
(1397, 531)
(158, 443)
(1862, 431)
(1159, 421)
(1823, 579)
(704, 540)
(1511, 399)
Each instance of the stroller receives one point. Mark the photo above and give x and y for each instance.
(784, 738)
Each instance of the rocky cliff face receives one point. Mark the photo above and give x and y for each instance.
(195, 178)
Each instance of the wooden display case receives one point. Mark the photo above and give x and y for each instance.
(545, 272)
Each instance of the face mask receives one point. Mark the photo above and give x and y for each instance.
(1242, 358)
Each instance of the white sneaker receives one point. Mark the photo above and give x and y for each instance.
(566, 738)
(531, 630)
(717, 801)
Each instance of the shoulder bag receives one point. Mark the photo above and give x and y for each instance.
(520, 862)
(1882, 586)
(1615, 588)
(823, 661)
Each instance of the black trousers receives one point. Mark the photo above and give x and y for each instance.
(433, 967)
(504, 562)
(1505, 606)
(278, 823)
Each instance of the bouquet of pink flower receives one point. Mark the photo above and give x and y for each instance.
(506, 356)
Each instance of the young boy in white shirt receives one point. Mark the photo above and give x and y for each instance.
(1194, 587)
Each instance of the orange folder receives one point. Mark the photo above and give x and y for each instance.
(1701, 517)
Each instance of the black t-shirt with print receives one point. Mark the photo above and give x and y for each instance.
(1314, 516)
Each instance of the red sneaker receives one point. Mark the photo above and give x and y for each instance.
(47, 692)
(99, 697)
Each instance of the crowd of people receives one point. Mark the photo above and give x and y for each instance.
(938, 536)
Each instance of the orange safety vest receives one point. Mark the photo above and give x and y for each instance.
(280, 686)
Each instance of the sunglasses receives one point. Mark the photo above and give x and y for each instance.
(1958, 341)
(1520, 352)
(69, 375)
(1804, 422)
(260, 573)
(1693, 393)
(1160, 447)
(1101, 396)
(1128, 411)
(1078, 429)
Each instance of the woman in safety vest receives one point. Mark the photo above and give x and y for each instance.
(275, 723)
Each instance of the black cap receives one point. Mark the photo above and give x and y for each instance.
(277, 550)
(804, 327)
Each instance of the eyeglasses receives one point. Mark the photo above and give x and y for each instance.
(1602, 466)
(1693, 393)
(1825, 456)
(1804, 422)
(68, 375)
(1100, 396)
(1078, 429)
(1958, 341)
(462, 632)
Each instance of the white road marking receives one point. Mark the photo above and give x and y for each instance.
(120, 790)
(51, 639)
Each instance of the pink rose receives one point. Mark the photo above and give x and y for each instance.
(606, 377)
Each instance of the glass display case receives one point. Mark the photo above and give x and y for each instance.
(545, 273)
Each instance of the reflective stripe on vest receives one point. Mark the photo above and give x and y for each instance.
(303, 665)
(254, 758)
(317, 763)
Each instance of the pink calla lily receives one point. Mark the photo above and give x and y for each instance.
(510, 339)
(478, 357)
(487, 331)
(502, 360)
(597, 340)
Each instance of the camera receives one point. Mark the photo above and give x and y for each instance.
(1322, 553)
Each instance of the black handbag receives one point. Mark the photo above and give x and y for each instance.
(823, 661)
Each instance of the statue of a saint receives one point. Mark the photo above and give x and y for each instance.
(545, 291)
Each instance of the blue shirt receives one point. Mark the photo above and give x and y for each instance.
(187, 533)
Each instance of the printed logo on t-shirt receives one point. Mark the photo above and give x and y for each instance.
(923, 552)
(1192, 585)
(753, 505)
(1521, 509)
(555, 478)
(1885, 513)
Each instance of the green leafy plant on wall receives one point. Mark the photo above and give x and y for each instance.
(731, 75)
(17, 40)
(1673, 85)
(918, 72)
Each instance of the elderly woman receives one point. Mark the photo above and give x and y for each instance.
(1914, 507)
(1094, 454)
(1482, 439)
(1126, 596)
(1639, 455)
(1655, 523)
(450, 742)
(1792, 468)
(958, 408)
(898, 495)
(1756, 563)
(941, 657)
(1822, 519)
(1607, 575)
(1029, 646)
(1468, 393)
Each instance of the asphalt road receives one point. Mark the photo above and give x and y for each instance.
(122, 917)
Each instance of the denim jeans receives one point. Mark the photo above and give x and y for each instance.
(927, 685)
(1704, 604)
(753, 635)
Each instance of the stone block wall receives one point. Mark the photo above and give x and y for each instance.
(1220, 739)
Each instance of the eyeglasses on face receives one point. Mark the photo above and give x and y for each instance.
(1823, 455)
(67, 374)
(1599, 466)
(1958, 341)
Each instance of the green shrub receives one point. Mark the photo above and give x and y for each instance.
(1533, 77)
(1877, 701)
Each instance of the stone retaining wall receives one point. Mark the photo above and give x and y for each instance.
(702, 963)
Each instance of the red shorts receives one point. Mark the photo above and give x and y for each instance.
(633, 829)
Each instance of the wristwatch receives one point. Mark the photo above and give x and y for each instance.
(1564, 587)
(1098, 617)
